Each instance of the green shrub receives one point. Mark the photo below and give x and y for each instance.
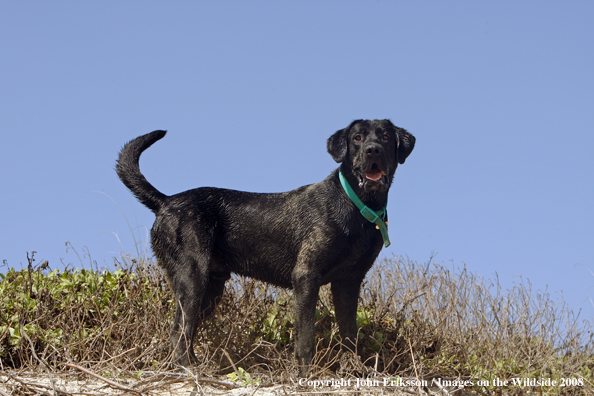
(69, 313)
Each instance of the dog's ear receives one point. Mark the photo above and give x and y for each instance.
(405, 145)
(337, 145)
(339, 142)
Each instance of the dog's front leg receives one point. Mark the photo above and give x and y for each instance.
(306, 286)
(345, 294)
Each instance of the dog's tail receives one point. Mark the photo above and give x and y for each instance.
(128, 170)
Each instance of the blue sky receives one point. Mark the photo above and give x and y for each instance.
(500, 96)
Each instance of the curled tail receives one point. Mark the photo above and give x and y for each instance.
(128, 170)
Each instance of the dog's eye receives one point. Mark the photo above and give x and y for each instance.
(385, 138)
(357, 138)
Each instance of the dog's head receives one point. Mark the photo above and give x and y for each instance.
(371, 150)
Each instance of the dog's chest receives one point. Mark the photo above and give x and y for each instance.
(359, 253)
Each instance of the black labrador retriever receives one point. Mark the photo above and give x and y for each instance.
(328, 232)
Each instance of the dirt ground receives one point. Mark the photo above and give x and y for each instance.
(169, 384)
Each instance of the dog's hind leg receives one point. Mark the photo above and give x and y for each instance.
(189, 283)
(213, 293)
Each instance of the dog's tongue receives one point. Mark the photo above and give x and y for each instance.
(371, 175)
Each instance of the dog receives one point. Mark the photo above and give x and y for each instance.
(301, 239)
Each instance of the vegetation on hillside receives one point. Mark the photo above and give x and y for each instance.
(415, 320)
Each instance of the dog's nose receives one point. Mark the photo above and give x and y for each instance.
(374, 149)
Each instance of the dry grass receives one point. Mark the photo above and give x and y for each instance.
(421, 321)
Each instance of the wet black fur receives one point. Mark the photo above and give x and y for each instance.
(299, 239)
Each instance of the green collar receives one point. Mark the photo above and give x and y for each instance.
(373, 216)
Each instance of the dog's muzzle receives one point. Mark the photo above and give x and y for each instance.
(373, 179)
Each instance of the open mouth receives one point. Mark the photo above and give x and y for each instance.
(374, 173)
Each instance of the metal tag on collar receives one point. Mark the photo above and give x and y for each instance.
(384, 230)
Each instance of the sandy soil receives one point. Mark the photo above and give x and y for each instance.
(75, 383)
